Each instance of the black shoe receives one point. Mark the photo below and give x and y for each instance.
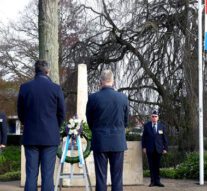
(160, 185)
(151, 185)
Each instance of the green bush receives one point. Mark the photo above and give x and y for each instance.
(171, 159)
(168, 172)
(164, 172)
(188, 169)
(12, 153)
(10, 176)
(10, 160)
(146, 173)
(133, 134)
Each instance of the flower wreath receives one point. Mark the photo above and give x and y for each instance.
(73, 128)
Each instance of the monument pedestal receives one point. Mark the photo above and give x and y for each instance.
(132, 174)
(133, 164)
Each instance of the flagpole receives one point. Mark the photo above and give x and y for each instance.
(200, 97)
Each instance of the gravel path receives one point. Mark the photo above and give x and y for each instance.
(170, 185)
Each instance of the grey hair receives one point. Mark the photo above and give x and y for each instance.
(107, 76)
(41, 66)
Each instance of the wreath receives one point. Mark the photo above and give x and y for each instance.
(74, 128)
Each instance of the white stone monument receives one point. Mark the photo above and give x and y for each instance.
(82, 98)
(82, 91)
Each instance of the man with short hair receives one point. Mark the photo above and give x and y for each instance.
(107, 116)
(154, 144)
(3, 130)
(41, 110)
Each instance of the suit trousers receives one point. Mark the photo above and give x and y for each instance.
(154, 166)
(116, 160)
(44, 156)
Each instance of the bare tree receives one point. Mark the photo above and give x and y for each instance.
(153, 45)
(150, 45)
(19, 46)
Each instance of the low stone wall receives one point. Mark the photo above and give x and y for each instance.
(132, 175)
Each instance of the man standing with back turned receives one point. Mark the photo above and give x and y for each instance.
(41, 110)
(154, 144)
(107, 116)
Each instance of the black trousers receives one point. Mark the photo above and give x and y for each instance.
(115, 160)
(154, 166)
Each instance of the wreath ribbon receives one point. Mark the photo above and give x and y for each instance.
(75, 159)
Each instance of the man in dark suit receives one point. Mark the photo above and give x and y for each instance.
(41, 110)
(107, 116)
(154, 144)
(3, 130)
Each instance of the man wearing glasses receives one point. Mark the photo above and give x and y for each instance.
(154, 144)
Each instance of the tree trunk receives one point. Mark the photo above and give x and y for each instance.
(189, 138)
(48, 35)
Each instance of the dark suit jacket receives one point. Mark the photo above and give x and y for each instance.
(152, 141)
(107, 116)
(3, 129)
(41, 110)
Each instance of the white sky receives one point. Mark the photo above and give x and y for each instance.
(9, 9)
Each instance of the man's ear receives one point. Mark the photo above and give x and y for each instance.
(47, 72)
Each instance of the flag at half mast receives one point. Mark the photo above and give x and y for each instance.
(205, 40)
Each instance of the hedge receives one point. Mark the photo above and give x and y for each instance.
(189, 169)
